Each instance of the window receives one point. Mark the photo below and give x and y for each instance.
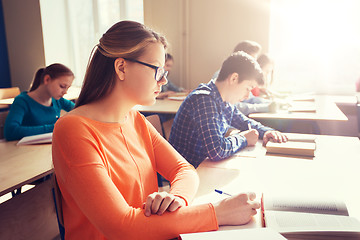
(71, 29)
(315, 45)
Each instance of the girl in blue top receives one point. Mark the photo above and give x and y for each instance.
(36, 111)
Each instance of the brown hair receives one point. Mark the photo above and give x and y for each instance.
(244, 65)
(263, 60)
(168, 56)
(250, 47)
(54, 71)
(125, 39)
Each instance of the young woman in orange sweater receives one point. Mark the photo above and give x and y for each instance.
(106, 155)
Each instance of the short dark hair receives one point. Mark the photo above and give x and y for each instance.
(168, 56)
(250, 47)
(244, 65)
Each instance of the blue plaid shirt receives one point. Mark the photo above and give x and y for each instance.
(201, 123)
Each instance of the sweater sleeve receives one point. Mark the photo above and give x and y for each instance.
(170, 164)
(241, 122)
(67, 105)
(79, 168)
(216, 145)
(14, 128)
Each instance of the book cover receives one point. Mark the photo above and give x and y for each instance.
(292, 148)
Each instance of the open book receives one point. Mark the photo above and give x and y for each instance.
(36, 139)
(298, 144)
(306, 218)
(246, 234)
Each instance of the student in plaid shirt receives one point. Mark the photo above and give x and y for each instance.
(201, 124)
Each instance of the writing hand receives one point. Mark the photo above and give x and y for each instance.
(236, 210)
(252, 136)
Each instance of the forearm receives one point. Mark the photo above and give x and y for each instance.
(225, 147)
(182, 176)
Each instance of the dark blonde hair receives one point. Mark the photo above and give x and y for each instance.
(54, 71)
(125, 39)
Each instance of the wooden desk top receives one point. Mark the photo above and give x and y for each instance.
(161, 106)
(334, 172)
(20, 165)
(325, 107)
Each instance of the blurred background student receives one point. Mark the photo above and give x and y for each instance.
(170, 87)
(35, 112)
(250, 47)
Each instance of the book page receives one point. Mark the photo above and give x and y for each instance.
(295, 137)
(248, 234)
(309, 222)
(36, 139)
(307, 205)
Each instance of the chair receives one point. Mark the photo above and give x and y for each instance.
(3, 116)
(155, 121)
(9, 92)
(58, 206)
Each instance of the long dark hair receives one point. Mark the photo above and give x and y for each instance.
(54, 71)
(125, 39)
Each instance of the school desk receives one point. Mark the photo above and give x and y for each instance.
(161, 106)
(20, 165)
(333, 172)
(325, 111)
(31, 214)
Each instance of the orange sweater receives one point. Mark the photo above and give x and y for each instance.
(105, 171)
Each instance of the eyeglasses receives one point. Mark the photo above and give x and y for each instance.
(160, 72)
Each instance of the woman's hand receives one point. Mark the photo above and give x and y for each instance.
(236, 210)
(274, 136)
(159, 202)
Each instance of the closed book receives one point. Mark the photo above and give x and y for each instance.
(292, 148)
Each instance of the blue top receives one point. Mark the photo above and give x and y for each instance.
(170, 86)
(28, 117)
(201, 123)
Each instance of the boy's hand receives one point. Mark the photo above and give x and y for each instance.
(274, 136)
(252, 136)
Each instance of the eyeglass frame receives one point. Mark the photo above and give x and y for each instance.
(151, 66)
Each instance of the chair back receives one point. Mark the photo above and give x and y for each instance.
(3, 116)
(155, 121)
(9, 92)
(58, 207)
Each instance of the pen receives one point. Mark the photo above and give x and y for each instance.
(249, 126)
(221, 192)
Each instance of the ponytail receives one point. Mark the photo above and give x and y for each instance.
(37, 79)
(54, 71)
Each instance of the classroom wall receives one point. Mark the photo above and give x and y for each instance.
(203, 33)
(24, 40)
(4, 62)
